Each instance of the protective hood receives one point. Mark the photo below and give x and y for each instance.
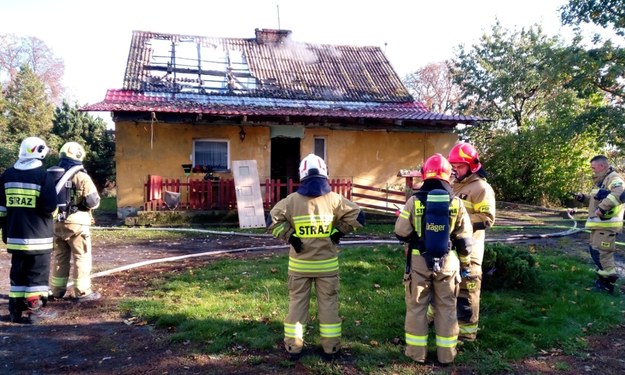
(26, 164)
(67, 163)
(314, 186)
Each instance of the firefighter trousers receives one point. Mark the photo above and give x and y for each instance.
(442, 287)
(72, 241)
(602, 248)
(469, 304)
(326, 289)
(29, 280)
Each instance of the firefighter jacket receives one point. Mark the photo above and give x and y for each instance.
(313, 219)
(27, 205)
(479, 200)
(84, 197)
(409, 226)
(605, 196)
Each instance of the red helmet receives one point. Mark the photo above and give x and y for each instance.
(436, 166)
(465, 153)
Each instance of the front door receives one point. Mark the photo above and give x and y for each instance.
(285, 160)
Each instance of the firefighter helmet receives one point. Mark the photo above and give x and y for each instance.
(312, 165)
(436, 167)
(465, 153)
(33, 148)
(72, 150)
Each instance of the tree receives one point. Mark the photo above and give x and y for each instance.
(70, 124)
(16, 52)
(433, 86)
(507, 76)
(604, 13)
(28, 110)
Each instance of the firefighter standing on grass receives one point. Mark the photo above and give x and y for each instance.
(605, 220)
(313, 220)
(78, 196)
(437, 228)
(469, 184)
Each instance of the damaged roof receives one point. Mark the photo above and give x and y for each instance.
(269, 75)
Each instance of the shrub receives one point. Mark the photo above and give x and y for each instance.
(508, 267)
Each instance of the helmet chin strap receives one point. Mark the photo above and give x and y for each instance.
(26, 164)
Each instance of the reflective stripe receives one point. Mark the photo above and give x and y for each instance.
(416, 340)
(468, 329)
(404, 214)
(313, 226)
(59, 281)
(21, 185)
(327, 265)
(418, 215)
(29, 244)
(416, 252)
(295, 331)
(446, 342)
(330, 330)
(278, 230)
(595, 222)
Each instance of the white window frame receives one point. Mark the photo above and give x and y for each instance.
(325, 147)
(226, 141)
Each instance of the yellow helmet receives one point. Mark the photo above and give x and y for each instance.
(72, 150)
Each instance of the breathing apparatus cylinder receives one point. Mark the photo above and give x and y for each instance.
(62, 192)
(437, 226)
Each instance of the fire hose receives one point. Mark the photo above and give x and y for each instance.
(518, 237)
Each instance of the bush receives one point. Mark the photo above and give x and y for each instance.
(508, 267)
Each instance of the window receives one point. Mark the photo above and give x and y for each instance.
(320, 147)
(211, 155)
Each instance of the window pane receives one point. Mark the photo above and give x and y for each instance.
(320, 147)
(213, 154)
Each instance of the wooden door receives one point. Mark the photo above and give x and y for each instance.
(247, 188)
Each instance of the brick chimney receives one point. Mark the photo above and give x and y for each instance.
(271, 36)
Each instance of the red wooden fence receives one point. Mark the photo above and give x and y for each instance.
(196, 194)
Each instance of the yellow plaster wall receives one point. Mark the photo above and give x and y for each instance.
(142, 150)
(369, 157)
(374, 157)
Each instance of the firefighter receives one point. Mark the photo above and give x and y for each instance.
(27, 206)
(605, 220)
(469, 184)
(78, 197)
(437, 228)
(313, 220)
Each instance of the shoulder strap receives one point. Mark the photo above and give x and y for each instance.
(68, 174)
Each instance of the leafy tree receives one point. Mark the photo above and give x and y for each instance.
(28, 110)
(604, 13)
(433, 86)
(507, 76)
(16, 52)
(70, 124)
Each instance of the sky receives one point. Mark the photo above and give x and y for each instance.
(92, 37)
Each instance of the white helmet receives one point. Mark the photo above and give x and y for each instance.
(33, 148)
(72, 150)
(312, 165)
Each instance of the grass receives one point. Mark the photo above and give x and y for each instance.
(232, 304)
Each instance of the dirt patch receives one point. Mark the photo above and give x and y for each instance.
(99, 338)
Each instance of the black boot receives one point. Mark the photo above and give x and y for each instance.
(605, 284)
(16, 306)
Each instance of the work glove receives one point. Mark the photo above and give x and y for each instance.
(336, 236)
(579, 197)
(296, 242)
